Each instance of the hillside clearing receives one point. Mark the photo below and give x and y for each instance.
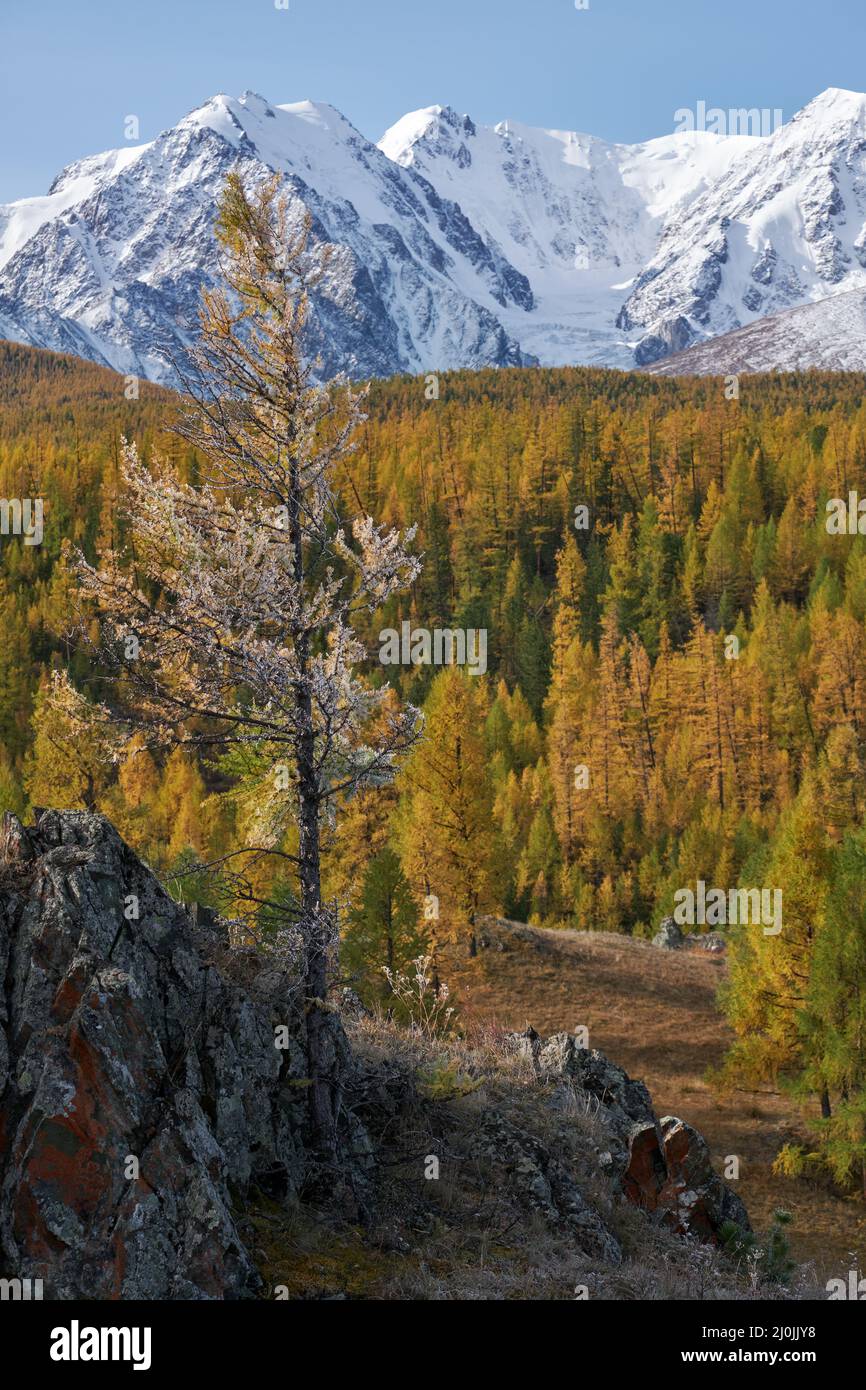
(654, 1012)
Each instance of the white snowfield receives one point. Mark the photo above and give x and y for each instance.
(458, 245)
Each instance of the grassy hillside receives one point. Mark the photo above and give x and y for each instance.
(655, 1011)
(479, 1231)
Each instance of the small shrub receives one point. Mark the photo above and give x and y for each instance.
(423, 1002)
(445, 1081)
(772, 1261)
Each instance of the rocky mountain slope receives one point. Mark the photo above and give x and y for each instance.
(827, 336)
(785, 225)
(111, 263)
(453, 244)
(153, 1135)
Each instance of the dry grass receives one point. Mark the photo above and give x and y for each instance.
(467, 1235)
(654, 1013)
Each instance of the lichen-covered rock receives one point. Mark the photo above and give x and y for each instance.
(526, 1045)
(543, 1184)
(625, 1101)
(661, 1166)
(692, 1175)
(711, 941)
(670, 1172)
(142, 1087)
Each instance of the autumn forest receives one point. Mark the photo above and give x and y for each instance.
(674, 692)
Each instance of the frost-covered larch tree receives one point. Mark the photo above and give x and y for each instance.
(233, 624)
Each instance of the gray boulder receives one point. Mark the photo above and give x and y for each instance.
(142, 1087)
(711, 941)
(668, 936)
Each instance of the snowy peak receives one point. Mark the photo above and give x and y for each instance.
(111, 264)
(785, 225)
(453, 243)
(281, 135)
(432, 131)
(834, 107)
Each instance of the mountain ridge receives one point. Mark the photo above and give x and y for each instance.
(453, 244)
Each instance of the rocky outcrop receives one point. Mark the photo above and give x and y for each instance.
(712, 941)
(149, 1077)
(662, 1166)
(670, 1172)
(544, 1185)
(668, 936)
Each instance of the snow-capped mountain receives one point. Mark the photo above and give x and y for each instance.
(785, 224)
(580, 218)
(452, 244)
(111, 263)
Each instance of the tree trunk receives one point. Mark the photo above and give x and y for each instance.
(319, 1021)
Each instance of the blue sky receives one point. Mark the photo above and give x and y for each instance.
(72, 70)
